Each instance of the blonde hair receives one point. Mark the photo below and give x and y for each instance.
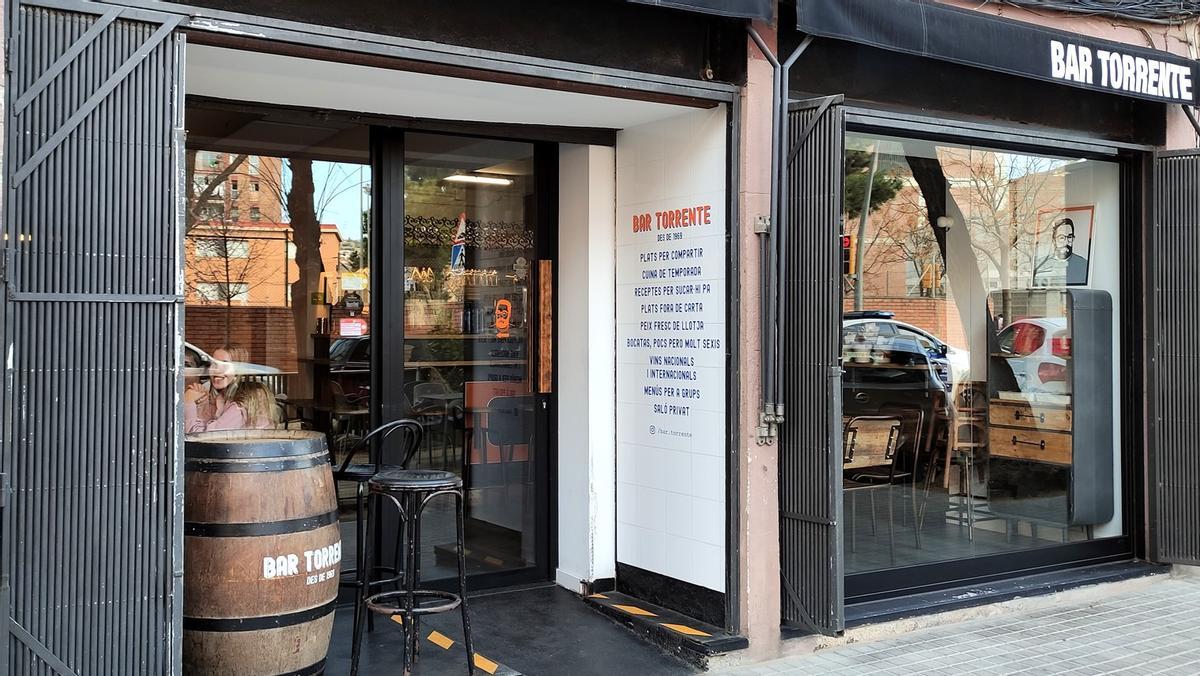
(257, 400)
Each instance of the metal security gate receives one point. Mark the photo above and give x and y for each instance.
(91, 541)
(811, 315)
(1175, 455)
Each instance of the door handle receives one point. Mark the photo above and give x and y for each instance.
(862, 397)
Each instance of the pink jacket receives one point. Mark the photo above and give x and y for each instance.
(229, 416)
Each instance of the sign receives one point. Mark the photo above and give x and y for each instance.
(503, 317)
(1120, 71)
(670, 330)
(458, 246)
(974, 38)
(317, 298)
(352, 326)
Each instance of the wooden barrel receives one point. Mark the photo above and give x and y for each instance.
(261, 553)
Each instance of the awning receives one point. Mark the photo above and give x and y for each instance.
(929, 28)
(742, 9)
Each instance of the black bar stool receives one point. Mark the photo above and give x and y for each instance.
(410, 490)
(360, 576)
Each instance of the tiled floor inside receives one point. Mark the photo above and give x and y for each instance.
(1153, 629)
(944, 529)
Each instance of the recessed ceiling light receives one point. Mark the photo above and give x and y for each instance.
(473, 178)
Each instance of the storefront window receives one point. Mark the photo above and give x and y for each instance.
(277, 300)
(979, 402)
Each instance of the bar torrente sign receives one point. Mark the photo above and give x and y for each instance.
(972, 38)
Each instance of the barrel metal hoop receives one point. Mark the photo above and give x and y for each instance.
(225, 624)
(209, 466)
(243, 530)
(223, 446)
(314, 669)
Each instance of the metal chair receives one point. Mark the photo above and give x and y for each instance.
(509, 424)
(347, 470)
(886, 475)
(409, 491)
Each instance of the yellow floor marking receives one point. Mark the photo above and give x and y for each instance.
(397, 619)
(634, 610)
(683, 629)
(485, 664)
(441, 640)
(598, 596)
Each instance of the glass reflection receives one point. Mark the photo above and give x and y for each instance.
(958, 350)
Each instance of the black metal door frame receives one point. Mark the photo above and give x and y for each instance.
(387, 377)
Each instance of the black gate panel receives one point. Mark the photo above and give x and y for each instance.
(1175, 454)
(811, 315)
(90, 539)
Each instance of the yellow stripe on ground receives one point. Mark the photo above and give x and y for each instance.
(684, 629)
(397, 619)
(484, 663)
(634, 610)
(440, 640)
(598, 596)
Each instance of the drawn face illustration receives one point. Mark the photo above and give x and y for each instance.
(1064, 238)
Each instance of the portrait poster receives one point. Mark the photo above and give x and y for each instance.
(1063, 245)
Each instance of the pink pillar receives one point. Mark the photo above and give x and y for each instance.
(758, 546)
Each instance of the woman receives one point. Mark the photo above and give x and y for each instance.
(229, 402)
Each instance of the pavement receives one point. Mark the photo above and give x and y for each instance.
(1147, 628)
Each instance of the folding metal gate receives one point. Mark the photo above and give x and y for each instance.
(1175, 455)
(811, 315)
(91, 541)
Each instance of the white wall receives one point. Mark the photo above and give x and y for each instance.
(671, 449)
(586, 363)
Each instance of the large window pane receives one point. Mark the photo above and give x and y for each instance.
(970, 267)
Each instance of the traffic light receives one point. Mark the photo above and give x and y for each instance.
(849, 254)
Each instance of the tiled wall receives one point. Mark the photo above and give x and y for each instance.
(671, 510)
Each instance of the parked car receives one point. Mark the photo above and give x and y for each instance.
(892, 368)
(350, 353)
(952, 363)
(1037, 350)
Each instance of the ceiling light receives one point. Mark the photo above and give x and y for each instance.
(472, 178)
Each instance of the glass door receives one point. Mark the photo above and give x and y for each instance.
(472, 370)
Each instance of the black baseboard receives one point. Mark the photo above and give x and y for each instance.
(1040, 584)
(683, 597)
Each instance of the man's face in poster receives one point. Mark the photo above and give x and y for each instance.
(1064, 238)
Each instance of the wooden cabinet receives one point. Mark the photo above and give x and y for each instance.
(1050, 436)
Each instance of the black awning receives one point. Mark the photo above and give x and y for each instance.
(929, 28)
(743, 9)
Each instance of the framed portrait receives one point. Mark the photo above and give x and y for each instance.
(1063, 245)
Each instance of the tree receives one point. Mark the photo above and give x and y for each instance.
(884, 184)
(227, 264)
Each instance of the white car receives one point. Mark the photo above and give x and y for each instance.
(874, 324)
(1037, 350)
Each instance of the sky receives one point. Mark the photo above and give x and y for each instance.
(339, 187)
